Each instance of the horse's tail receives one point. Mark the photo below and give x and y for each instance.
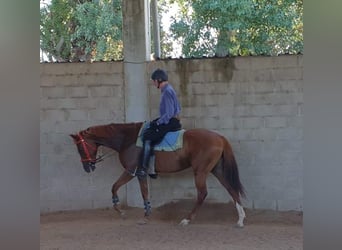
(231, 172)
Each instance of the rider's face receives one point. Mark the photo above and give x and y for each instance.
(155, 83)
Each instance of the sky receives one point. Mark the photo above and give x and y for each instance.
(42, 2)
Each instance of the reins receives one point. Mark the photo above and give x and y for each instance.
(104, 156)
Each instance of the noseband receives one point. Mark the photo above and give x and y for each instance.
(86, 146)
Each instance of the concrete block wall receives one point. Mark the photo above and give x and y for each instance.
(74, 97)
(256, 102)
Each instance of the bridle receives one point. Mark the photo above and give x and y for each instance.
(86, 149)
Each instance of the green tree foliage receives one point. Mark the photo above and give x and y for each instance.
(56, 27)
(92, 29)
(82, 30)
(99, 29)
(238, 27)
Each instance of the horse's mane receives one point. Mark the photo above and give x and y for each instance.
(113, 132)
(111, 127)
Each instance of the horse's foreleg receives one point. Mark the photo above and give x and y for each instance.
(123, 179)
(144, 192)
(200, 182)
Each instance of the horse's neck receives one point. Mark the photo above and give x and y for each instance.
(120, 136)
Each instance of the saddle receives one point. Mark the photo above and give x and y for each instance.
(171, 141)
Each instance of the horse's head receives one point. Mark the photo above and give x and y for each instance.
(87, 149)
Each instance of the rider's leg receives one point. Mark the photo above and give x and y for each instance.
(142, 169)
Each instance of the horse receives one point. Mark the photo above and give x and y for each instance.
(203, 150)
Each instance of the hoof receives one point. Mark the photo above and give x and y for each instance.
(119, 211)
(240, 226)
(123, 215)
(184, 222)
(143, 221)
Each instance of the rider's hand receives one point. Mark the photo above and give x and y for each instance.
(153, 124)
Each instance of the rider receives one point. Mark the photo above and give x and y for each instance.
(168, 120)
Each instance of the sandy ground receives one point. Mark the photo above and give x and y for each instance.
(213, 228)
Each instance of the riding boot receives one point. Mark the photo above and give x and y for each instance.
(142, 170)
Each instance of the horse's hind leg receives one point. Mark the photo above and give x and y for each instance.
(122, 180)
(218, 173)
(242, 215)
(200, 182)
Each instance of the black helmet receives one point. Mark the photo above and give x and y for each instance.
(159, 75)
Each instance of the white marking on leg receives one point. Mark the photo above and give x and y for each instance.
(241, 213)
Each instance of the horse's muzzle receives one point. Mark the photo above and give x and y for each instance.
(89, 166)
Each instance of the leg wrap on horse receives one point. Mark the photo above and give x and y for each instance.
(115, 200)
(147, 207)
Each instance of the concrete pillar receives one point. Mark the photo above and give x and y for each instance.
(137, 44)
(156, 28)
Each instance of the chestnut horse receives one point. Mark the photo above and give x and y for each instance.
(203, 150)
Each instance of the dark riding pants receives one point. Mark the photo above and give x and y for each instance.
(154, 134)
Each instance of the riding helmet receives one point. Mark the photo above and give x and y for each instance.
(159, 75)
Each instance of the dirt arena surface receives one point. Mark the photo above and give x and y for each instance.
(213, 228)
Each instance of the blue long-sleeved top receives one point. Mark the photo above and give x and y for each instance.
(169, 104)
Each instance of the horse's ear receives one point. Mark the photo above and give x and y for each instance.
(73, 136)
